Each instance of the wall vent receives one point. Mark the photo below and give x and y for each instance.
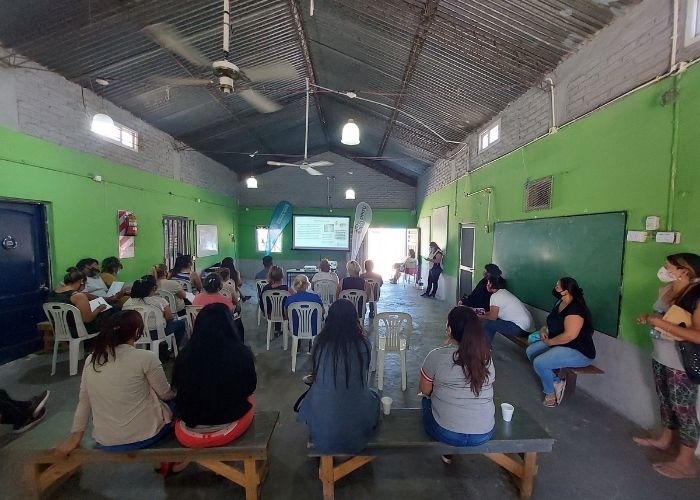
(538, 194)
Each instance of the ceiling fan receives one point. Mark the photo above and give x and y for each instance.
(305, 165)
(229, 77)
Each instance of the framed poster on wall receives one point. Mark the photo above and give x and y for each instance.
(207, 240)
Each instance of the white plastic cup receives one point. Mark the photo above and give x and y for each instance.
(507, 410)
(386, 404)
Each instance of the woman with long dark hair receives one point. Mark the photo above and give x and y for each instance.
(566, 341)
(235, 275)
(677, 393)
(215, 380)
(340, 409)
(435, 257)
(124, 389)
(72, 292)
(457, 379)
(183, 271)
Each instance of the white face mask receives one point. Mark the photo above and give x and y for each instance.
(665, 275)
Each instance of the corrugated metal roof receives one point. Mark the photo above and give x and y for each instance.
(452, 64)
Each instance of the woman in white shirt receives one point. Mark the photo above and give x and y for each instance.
(172, 286)
(506, 315)
(124, 389)
(409, 266)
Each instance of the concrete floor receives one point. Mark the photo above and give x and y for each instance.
(593, 458)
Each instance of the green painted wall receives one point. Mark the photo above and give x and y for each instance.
(83, 213)
(250, 218)
(617, 159)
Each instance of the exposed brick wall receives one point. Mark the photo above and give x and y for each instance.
(303, 190)
(46, 105)
(634, 49)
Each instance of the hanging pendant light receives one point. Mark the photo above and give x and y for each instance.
(102, 124)
(351, 134)
(350, 194)
(251, 183)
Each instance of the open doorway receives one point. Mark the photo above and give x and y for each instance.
(386, 247)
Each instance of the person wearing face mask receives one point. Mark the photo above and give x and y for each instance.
(677, 393)
(72, 292)
(566, 341)
(95, 285)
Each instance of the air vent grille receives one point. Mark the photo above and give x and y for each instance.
(538, 194)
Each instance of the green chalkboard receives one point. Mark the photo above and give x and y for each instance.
(533, 254)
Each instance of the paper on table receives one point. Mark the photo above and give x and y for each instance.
(95, 303)
(115, 288)
(189, 296)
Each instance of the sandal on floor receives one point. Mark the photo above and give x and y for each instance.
(669, 470)
(550, 400)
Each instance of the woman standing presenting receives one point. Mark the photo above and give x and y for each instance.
(435, 259)
(677, 393)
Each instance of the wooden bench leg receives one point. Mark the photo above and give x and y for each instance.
(570, 377)
(249, 477)
(529, 473)
(30, 480)
(40, 480)
(252, 480)
(329, 473)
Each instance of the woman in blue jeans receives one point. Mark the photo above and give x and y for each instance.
(457, 380)
(566, 341)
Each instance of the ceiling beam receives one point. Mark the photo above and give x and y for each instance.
(375, 165)
(427, 18)
(295, 10)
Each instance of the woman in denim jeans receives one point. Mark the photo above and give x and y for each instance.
(566, 341)
(457, 380)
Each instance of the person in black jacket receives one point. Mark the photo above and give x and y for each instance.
(479, 296)
(215, 380)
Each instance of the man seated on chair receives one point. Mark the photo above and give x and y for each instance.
(95, 285)
(325, 273)
(274, 283)
(369, 274)
(302, 294)
(267, 265)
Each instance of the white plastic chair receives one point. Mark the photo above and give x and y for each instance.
(304, 313)
(397, 328)
(170, 297)
(408, 273)
(372, 292)
(57, 313)
(151, 314)
(191, 313)
(260, 284)
(272, 305)
(326, 289)
(357, 297)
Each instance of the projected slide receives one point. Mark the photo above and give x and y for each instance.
(321, 232)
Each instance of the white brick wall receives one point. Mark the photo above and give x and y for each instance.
(304, 190)
(46, 105)
(634, 49)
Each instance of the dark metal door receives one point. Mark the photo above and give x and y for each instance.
(24, 271)
(466, 258)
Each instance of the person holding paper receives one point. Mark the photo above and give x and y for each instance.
(110, 269)
(72, 293)
(95, 286)
(676, 391)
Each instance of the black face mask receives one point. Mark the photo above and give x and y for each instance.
(93, 272)
(557, 295)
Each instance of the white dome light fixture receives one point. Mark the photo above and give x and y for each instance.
(350, 194)
(251, 183)
(102, 124)
(351, 134)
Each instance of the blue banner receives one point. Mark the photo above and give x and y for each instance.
(281, 216)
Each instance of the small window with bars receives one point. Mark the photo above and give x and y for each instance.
(178, 238)
(538, 194)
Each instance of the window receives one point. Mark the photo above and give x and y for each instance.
(692, 22)
(490, 136)
(261, 239)
(119, 134)
(178, 235)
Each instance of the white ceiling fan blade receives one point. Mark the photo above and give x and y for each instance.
(168, 38)
(259, 102)
(321, 164)
(273, 71)
(281, 164)
(310, 171)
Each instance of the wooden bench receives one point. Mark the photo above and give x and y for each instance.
(44, 471)
(564, 373)
(514, 447)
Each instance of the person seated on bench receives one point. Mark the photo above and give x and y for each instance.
(274, 282)
(215, 379)
(125, 390)
(480, 297)
(410, 265)
(507, 315)
(172, 286)
(71, 292)
(566, 341)
(143, 293)
(22, 415)
(340, 409)
(457, 382)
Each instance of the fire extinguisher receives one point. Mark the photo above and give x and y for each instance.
(131, 225)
